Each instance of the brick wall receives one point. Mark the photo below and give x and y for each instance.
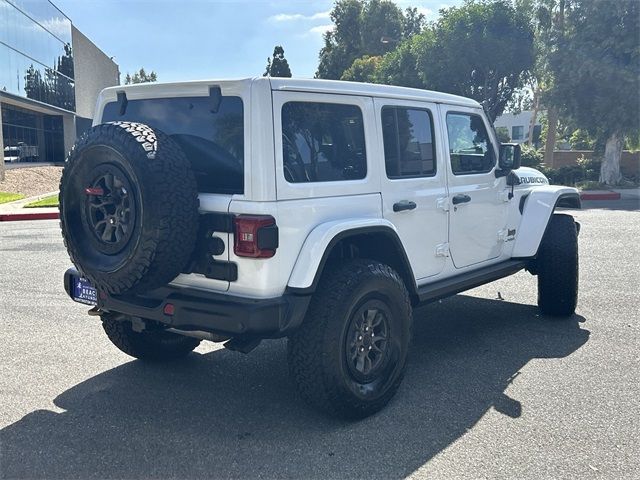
(629, 163)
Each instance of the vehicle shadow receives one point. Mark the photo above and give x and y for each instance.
(223, 414)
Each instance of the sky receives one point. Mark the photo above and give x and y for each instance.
(201, 39)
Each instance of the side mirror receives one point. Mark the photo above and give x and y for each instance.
(509, 157)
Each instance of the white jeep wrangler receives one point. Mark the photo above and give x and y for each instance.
(323, 211)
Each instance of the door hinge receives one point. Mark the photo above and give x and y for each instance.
(443, 203)
(442, 250)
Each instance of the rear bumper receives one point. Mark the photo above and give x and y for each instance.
(208, 311)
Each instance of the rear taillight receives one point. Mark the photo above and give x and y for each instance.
(256, 236)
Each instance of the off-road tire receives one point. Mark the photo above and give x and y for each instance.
(557, 267)
(317, 357)
(152, 345)
(165, 206)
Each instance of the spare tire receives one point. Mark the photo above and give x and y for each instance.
(128, 207)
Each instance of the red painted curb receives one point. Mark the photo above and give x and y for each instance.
(600, 196)
(15, 217)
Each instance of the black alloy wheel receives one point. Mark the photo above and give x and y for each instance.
(367, 341)
(110, 209)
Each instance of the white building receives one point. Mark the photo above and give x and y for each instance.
(518, 125)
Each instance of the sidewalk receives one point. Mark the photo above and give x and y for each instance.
(14, 211)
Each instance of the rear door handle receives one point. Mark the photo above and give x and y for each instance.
(461, 198)
(403, 205)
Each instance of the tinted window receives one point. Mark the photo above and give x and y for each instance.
(469, 145)
(322, 142)
(409, 150)
(212, 141)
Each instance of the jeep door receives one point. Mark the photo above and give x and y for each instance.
(478, 204)
(413, 180)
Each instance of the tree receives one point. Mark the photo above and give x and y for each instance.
(140, 76)
(596, 69)
(360, 26)
(363, 69)
(413, 22)
(400, 67)
(548, 20)
(277, 66)
(480, 50)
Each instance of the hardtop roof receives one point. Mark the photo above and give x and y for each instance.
(368, 89)
(337, 87)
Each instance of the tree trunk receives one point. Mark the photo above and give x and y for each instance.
(610, 169)
(552, 128)
(534, 116)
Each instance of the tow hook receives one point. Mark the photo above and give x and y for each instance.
(94, 312)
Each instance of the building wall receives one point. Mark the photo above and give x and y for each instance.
(50, 77)
(510, 120)
(629, 161)
(94, 70)
(1, 147)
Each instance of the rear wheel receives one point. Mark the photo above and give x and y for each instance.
(153, 345)
(557, 267)
(349, 355)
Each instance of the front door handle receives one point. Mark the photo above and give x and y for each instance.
(403, 205)
(461, 198)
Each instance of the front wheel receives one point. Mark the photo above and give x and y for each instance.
(153, 345)
(557, 267)
(349, 355)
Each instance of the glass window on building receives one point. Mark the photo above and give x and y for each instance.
(517, 132)
(32, 136)
(35, 52)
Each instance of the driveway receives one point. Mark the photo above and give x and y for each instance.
(492, 390)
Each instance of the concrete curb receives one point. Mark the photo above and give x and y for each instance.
(600, 195)
(16, 211)
(16, 217)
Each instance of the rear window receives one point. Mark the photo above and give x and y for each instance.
(322, 142)
(212, 141)
(409, 150)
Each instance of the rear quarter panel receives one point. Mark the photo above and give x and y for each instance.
(296, 219)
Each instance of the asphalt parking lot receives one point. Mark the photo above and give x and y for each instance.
(493, 390)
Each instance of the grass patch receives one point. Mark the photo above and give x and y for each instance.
(9, 197)
(51, 201)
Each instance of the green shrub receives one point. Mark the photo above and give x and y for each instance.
(503, 134)
(530, 157)
(586, 170)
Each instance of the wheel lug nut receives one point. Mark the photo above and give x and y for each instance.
(369, 347)
(362, 349)
(359, 337)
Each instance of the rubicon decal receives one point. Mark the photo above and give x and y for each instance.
(533, 180)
